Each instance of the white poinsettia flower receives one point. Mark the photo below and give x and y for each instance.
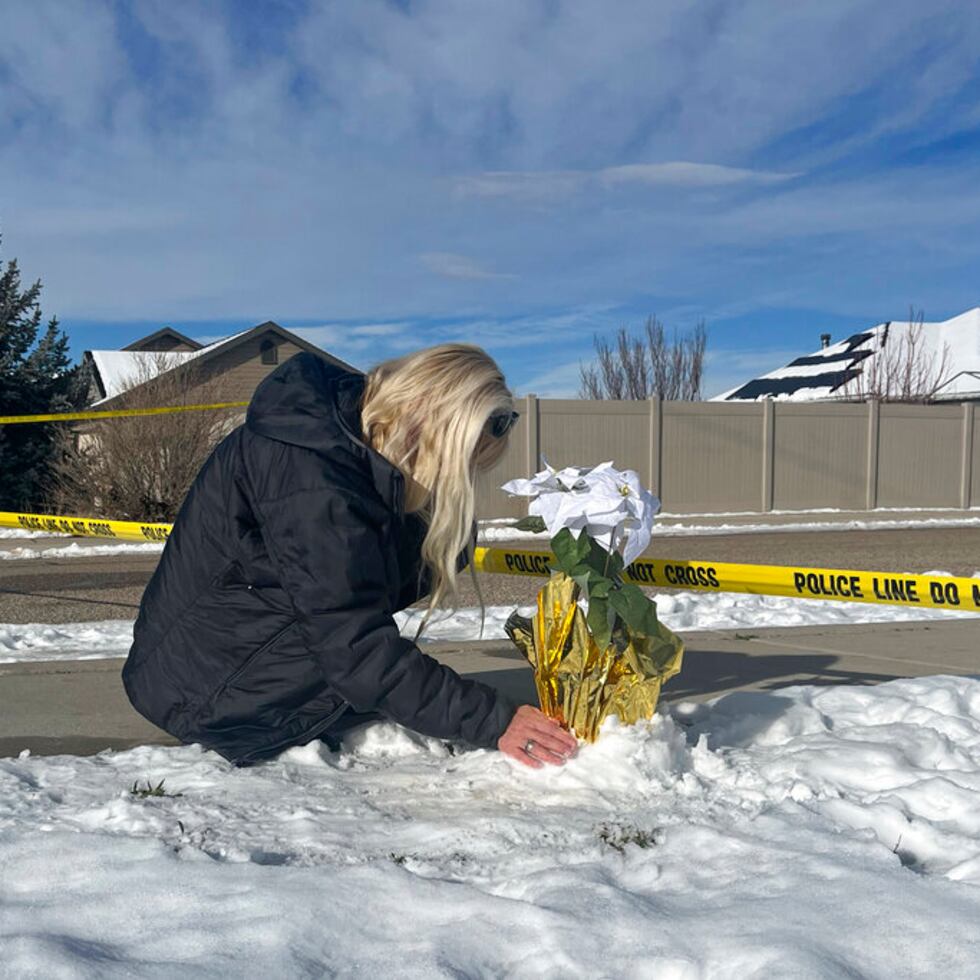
(610, 505)
(547, 480)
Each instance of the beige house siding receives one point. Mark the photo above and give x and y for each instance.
(241, 368)
(166, 344)
(231, 375)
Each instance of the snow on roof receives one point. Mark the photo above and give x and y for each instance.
(835, 372)
(121, 369)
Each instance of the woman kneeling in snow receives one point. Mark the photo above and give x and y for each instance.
(342, 499)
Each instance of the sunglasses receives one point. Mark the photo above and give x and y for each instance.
(502, 423)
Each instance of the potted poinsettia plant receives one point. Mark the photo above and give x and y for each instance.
(613, 655)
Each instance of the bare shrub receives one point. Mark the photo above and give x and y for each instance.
(141, 468)
(647, 366)
(904, 368)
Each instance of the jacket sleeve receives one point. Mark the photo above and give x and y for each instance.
(335, 567)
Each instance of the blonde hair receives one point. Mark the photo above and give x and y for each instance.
(428, 414)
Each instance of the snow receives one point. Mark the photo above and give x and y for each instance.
(21, 532)
(34, 642)
(817, 832)
(497, 533)
(682, 611)
(664, 514)
(498, 529)
(76, 550)
(122, 369)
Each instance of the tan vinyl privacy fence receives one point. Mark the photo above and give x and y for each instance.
(712, 457)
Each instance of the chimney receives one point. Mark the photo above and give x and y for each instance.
(825, 340)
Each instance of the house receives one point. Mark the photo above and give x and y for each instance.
(878, 361)
(167, 368)
(237, 363)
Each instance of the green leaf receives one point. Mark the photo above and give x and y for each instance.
(600, 619)
(570, 551)
(635, 609)
(615, 565)
(607, 564)
(583, 581)
(532, 523)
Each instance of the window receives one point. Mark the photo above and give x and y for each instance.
(270, 352)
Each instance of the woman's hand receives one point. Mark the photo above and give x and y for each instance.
(533, 738)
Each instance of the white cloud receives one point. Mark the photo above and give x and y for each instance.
(198, 184)
(555, 185)
(686, 174)
(380, 329)
(521, 186)
(365, 344)
(556, 382)
(454, 266)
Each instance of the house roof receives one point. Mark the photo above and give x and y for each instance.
(117, 369)
(141, 344)
(835, 372)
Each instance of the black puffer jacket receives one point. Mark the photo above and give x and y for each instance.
(270, 613)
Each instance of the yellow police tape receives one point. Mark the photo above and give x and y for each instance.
(110, 413)
(842, 585)
(92, 527)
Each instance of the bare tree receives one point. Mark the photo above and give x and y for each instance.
(904, 368)
(141, 468)
(636, 368)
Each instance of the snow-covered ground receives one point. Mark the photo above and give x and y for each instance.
(499, 531)
(680, 611)
(29, 642)
(813, 833)
(87, 550)
(21, 532)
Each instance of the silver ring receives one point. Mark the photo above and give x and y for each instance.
(528, 745)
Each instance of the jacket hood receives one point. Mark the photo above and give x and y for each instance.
(310, 402)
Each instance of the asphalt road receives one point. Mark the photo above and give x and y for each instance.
(59, 590)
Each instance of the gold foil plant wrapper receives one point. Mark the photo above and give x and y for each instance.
(580, 684)
(614, 657)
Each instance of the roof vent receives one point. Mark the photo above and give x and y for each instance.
(825, 340)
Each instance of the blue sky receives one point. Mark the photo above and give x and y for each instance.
(382, 176)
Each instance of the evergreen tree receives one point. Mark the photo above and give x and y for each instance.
(36, 377)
